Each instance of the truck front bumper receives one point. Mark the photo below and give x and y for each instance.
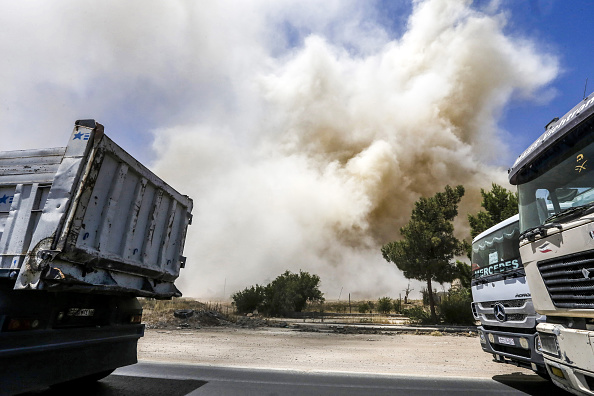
(513, 348)
(569, 357)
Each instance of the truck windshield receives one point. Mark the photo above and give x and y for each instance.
(497, 252)
(561, 185)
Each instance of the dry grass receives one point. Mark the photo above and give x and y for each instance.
(160, 313)
(375, 320)
(352, 307)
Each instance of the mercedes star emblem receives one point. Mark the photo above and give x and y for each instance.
(499, 311)
(586, 273)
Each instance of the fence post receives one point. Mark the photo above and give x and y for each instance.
(350, 310)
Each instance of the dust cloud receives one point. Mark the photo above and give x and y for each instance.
(304, 130)
(336, 142)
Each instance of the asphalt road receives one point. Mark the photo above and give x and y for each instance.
(153, 379)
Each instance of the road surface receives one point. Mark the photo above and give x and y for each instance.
(167, 379)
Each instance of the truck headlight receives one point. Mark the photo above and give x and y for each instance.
(491, 337)
(524, 343)
(538, 344)
(548, 344)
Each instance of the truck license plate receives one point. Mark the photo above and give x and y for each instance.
(85, 312)
(506, 340)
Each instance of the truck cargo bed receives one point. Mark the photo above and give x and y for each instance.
(89, 217)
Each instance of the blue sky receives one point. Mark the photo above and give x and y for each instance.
(563, 28)
(560, 28)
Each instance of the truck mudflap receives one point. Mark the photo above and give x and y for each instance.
(564, 350)
(108, 224)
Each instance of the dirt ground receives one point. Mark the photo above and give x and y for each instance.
(284, 348)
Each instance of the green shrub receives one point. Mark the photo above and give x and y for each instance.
(291, 292)
(418, 315)
(364, 307)
(287, 293)
(384, 305)
(398, 306)
(455, 307)
(248, 300)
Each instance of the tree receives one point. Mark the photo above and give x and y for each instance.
(499, 204)
(428, 245)
(464, 273)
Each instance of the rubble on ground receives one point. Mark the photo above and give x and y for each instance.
(251, 322)
(188, 319)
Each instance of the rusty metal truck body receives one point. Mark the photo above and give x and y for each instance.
(84, 230)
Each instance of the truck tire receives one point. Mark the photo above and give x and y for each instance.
(183, 313)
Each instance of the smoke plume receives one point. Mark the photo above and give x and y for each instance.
(303, 130)
(345, 143)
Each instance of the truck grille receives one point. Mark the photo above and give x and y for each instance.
(510, 317)
(506, 303)
(570, 280)
(486, 309)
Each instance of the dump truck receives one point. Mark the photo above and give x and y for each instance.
(501, 298)
(84, 230)
(555, 180)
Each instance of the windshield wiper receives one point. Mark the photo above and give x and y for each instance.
(532, 233)
(573, 210)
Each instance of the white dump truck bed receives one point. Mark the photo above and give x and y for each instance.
(89, 217)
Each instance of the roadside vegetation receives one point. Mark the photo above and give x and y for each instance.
(499, 204)
(428, 249)
(428, 246)
(286, 294)
(427, 252)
